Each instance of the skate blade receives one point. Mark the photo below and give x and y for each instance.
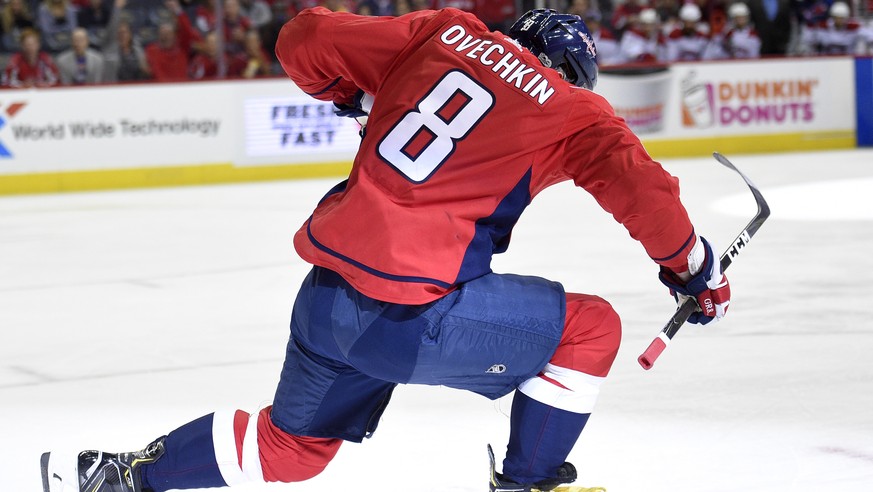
(58, 475)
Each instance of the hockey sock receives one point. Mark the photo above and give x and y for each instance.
(540, 439)
(231, 448)
(188, 461)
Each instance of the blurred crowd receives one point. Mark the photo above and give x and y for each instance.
(75, 42)
(663, 31)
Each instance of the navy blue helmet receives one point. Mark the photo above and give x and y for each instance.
(560, 41)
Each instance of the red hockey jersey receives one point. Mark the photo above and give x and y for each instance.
(467, 127)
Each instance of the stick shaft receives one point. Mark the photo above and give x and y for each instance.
(689, 305)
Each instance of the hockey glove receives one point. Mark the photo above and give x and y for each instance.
(359, 109)
(703, 281)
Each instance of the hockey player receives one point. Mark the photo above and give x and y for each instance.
(608, 52)
(741, 41)
(688, 42)
(465, 127)
(624, 14)
(644, 42)
(839, 35)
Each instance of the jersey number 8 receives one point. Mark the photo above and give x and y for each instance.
(426, 137)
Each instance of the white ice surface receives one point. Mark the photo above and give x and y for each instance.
(126, 314)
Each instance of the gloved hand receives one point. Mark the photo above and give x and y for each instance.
(359, 109)
(703, 281)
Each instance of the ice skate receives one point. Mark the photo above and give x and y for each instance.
(97, 471)
(566, 474)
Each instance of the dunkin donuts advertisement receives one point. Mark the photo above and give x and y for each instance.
(734, 98)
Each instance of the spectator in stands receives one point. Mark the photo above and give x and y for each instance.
(772, 20)
(168, 57)
(608, 51)
(31, 67)
(120, 47)
(377, 7)
(582, 8)
(466, 5)
(741, 40)
(205, 63)
(812, 12)
(292, 7)
(189, 6)
(338, 5)
(94, 16)
(56, 20)
(80, 64)
(14, 19)
(626, 13)
(204, 16)
(282, 10)
(236, 25)
(416, 5)
(254, 61)
(668, 12)
(125, 58)
(689, 41)
(210, 61)
(498, 15)
(867, 35)
(258, 12)
(839, 35)
(402, 7)
(713, 15)
(643, 42)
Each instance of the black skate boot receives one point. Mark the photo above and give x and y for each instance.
(97, 471)
(566, 474)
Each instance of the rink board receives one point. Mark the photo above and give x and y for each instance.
(127, 136)
(124, 136)
(772, 105)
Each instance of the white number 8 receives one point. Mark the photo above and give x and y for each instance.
(441, 134)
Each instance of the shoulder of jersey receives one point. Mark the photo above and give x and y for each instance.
(591, 99)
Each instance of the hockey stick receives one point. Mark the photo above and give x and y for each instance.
(689, 305)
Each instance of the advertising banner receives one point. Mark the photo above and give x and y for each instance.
(737, 99)
(114, 127)
(270, 122)
(211, 132)
(295, 129)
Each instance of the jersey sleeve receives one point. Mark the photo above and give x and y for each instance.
(330, 55)
(610, 162)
